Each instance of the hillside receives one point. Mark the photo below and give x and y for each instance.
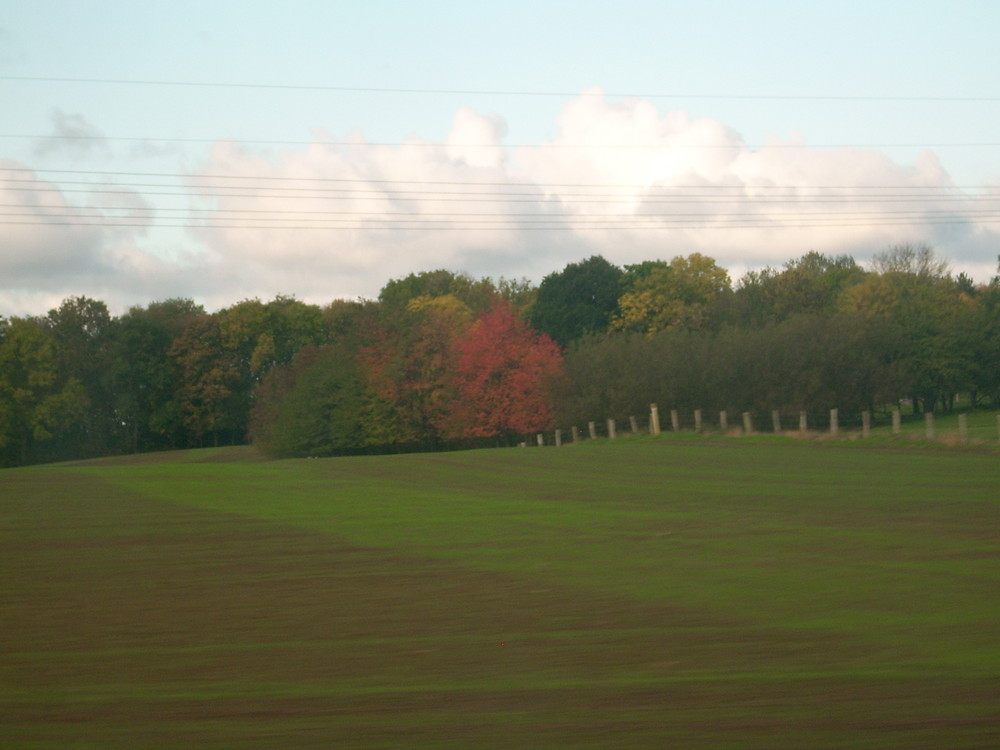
(698, 593)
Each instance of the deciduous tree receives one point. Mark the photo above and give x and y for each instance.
(504, 374)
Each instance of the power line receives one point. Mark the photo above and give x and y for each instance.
(468, 183)
(417, 196)
(443, 226)
(281, 214)
(494, 92)
(539, 146)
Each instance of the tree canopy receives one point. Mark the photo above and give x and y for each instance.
(442, 359)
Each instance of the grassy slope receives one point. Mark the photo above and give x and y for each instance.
(708, 593)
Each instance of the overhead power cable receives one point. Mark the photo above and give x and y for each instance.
(492, 92)
(419, 143)
(512, 197)
(762, 223)
(466, 183)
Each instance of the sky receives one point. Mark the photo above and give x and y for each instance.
(229, 150)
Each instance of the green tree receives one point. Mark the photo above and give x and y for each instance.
(680, 294)
(810, 285)
(260, 335)
(912, 292)
(579, 300)
(38, 401)
(208, 396)
(144, 378)
(313, 406)
(476, 294)
(79, 328)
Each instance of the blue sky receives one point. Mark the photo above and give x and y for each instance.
(909, 90)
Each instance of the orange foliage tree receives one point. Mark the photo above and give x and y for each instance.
(503, 370)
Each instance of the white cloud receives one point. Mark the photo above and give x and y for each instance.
(620, 178)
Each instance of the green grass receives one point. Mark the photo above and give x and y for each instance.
(671, 592)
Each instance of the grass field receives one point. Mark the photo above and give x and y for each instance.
(668, 592)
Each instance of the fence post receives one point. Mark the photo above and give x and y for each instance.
(896, 422)
(697, 420)
(558, 438)
(776, 421)
(675, 420)
(834, 422)
(592, 428)
(541, 439)
(963, 428)
(803, 421)
(747, 423)
(576, 434)
(723, 421)
(929, 424)
(634, 424)
(612, 432)
(654, 420)
(866, 423)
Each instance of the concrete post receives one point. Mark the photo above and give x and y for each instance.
(592, 428)
(776, 421)
(654, 420)
(723, 421)
(803, 421)
(558, 438)
(747, 423)
(834, 422)
(897, 420)
(697, 420)
(612, 432)
(675, 420)
(929, 424)
(963, 428)
(866, 423)
(541, 439)
(576, 434)
(634, 424)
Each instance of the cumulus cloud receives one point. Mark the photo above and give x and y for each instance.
(54, 246)
(625, 179)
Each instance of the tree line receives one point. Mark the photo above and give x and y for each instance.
(441, 359)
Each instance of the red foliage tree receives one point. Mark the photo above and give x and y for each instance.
(503, 370)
